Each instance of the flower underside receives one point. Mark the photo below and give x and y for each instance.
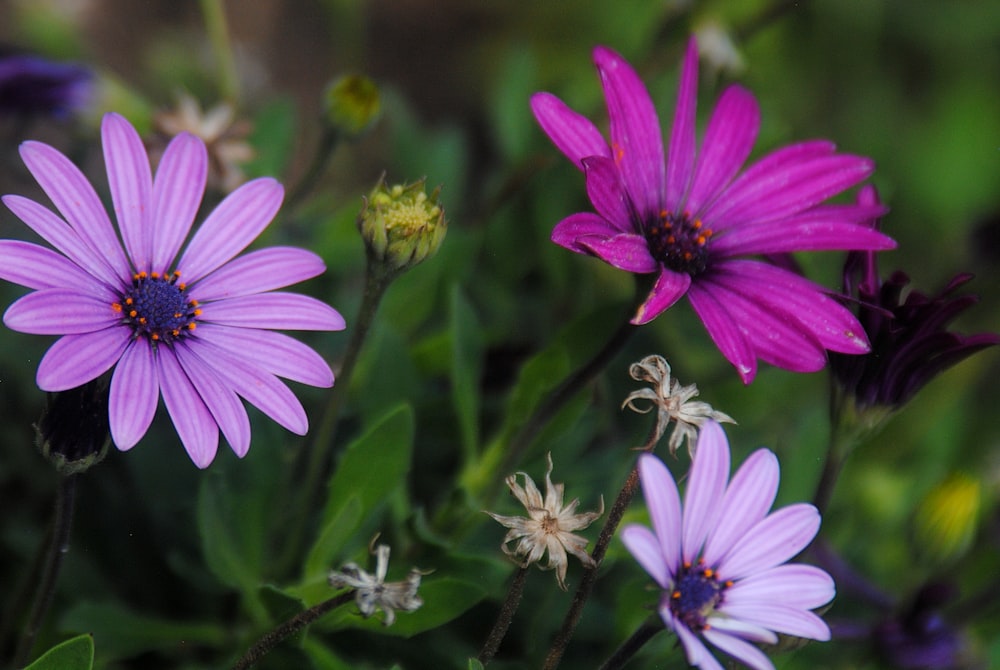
(156, 307)
(696, 594)
(678, 241)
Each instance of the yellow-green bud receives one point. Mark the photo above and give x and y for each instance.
(402, 225)
(352, 104)
(945, 522)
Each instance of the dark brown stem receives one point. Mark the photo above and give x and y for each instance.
(628, 649)
(505, 617)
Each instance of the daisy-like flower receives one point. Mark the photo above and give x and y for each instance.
(549, 526)
(720, 558)
(196, 327)
(672, 401)
(373, 593)
(692, 220)
(32, 85)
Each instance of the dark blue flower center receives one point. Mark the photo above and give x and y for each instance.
(156, 307)
(697, 593)
(678, 241)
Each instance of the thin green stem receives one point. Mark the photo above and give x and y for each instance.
(218, 35)
(643, 634)
(273, 638)
(321, 158)
(505, 617)
(58, 547)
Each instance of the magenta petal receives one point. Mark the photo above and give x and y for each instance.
(278, 310)
(772, 541)
(191, 418)
(667, 290)
(75, 360)
(814, 230)
(741, 650)
(606, 193)
(680, 156)
(705, 488)
(259, 271)
(724, 330)
(135, 389)
(77, 201)
(59, 311)
(645, 549)
(56, 232)
(39, 267)
(277, 353)
(625, 251)
(794, 585)
(177, 192)
(727, 143)
(131, 183)
(781, 618)
(636, 144)
(231, 226)
(572, 133)
(748, 499)
(575, 228)
(225, 405)
(664, 504)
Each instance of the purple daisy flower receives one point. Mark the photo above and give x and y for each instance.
(720, 559)
(34, 85)
(692, 221)
(197, 329)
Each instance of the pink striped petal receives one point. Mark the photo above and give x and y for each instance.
(135, 390)
(625, 251)
(225, 405)
(728, 141)
(38, 267)
(664, 505)
(604, 186)
(278, 310)
(670, 286)
(231, 226)
(191, 418)
(131, 183)
(724, 331)
(76, 200)
(59, 311)
(772, 541)
(645, 549)
(680, 157)
(259, 271)
(636, 143)
(177, 192)
(739, 649)
(697, 653)
(810, 231)
(705, 489)
(575, 228)
(748, 499)
(277, 353)
(792, 584)
(75, 360)
(572, 133)
(780, 618)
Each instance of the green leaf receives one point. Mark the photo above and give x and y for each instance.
(466, 369)
(371, 468)
(273, 138)
(76, 653)
(474, 664)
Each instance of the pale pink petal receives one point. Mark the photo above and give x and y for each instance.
(625, 251)
(724, 330)
(287, 311)
(39, 267)
(705, 488)
(728, 141)
(135, 390)
(794, 585)
(277, 353)
(670, 286)
(742, 629)
(697, 653)
(772, 541)
(607, 194)
(780, 618)
(664, 505)
(191, 418)
(739, 649)
(575, 228)
(257, 272)
(76, 200)
(231, 226)
(177, 192)
(645, 549)
(75, 360)
(636, 143)
(225, 405)
(59, 311)
(680, 156)
(131, 183)
(748, 499)
(572, 133)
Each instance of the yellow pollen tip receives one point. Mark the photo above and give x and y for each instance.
(154, 336)
(192, 326)
(181, 287)
(728, 583)
(197, 312)
(175, 332)
(687, 565)
(142, 320)
(709, 573)
(116, 306)
(129, 301)
(155, 275)
(133, 313)
(676, 595)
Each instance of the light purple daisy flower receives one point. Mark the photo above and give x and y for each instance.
(196, 329)
(692, 220)
(720, 559)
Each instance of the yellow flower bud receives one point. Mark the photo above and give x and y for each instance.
(945, 522)
(402, 225)
(352, 104)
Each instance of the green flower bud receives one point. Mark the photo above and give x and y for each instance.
(351, 104)
(73, 431)
(945, 522)
(402, 225)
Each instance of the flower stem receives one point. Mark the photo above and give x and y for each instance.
(218, 34)
(321, 158)
(590, 574)
(272, 638)
(58, 546)
(506, 615)
(634, 643)
(845, 433)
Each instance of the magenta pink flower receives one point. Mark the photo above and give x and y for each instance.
(198, 330)
(721, 558)
(692, 220)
